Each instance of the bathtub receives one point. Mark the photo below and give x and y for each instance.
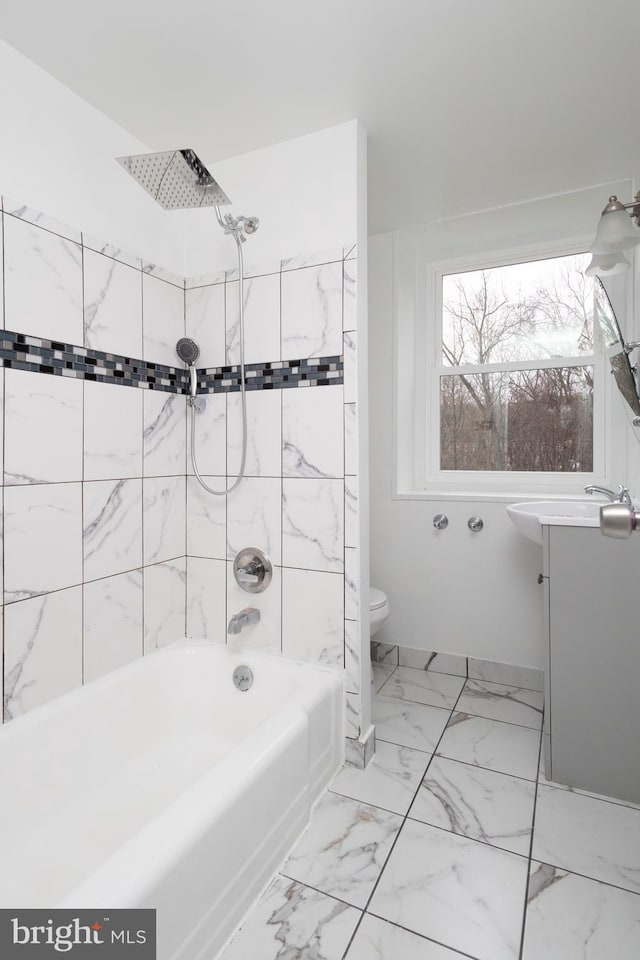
(162, 785)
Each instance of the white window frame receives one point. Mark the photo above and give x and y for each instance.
(495, 481)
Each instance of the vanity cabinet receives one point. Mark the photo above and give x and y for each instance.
(592, 673)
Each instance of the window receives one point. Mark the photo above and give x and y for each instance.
(516, 379)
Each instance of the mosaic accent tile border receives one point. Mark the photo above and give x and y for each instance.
(19, 351)
(279, 374)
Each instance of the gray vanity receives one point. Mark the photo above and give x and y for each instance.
(592, 668)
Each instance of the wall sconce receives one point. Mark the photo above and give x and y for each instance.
(618, 230)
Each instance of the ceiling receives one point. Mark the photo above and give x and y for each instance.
(468, 103)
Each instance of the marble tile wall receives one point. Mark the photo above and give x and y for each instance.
(111, 548)
(299, 501)
(93, 469)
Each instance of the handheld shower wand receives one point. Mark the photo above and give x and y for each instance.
(189, 351)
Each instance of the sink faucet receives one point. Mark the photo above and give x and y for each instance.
(241, 620)
(622, 496)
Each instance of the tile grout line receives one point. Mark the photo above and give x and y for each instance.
(401, 827)
(529, 859)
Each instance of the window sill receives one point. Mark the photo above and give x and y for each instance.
(470, 496)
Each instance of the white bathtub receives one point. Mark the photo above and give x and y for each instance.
(162, 785)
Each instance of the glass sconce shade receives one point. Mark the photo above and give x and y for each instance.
(616, 232)
(607, 265)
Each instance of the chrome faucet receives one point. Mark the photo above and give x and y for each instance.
(622, 496)
(241, 620)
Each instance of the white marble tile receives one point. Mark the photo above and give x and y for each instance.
(112, 623)
(501, 702)
(481, 804)
(264, 433)
(43, 428)
(494, 672)
(265, 636)
(380, 673)
(352, 715)
(312, 259)
(42, 283)
(464, 894)
(38, 219)
(350, 303)
(211, 436)
(350, 439)
(205, 323)
(437, 689)
(163, 321)
(573, 918)
(42, 649)
(312, 312)
(206, 519)
(161, 273)
(380, 940)
(261, 269)
(312, 433)
(351, 518)
(110, 250)
(254, 517)
(165, 597)
(344, 848)
(112, 522)
(261, 320)
(42, 539)
(503, 747)
(390, 781)
(350, 251)
(414, 725)
(313, 616)
(206, 600)
(350, 353)
(164, 518)
(351, 583)
(384, 652)
(432, 661)
(112, 432)
(291, 920)
(164, 441)
(352, 646)
(588, 836)
(204, 280)
(112, 306)
(313, 524)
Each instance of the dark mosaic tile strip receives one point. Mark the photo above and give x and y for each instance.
(19, 351)
(279, 374)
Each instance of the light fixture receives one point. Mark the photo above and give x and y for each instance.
(617, 231)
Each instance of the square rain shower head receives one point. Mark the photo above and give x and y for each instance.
(177, 179)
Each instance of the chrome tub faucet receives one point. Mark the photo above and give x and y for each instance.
(243, 619)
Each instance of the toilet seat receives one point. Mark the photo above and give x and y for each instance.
(377, 599)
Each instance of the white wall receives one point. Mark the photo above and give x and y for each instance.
(57, 154)
(304, 192)
(454, 591)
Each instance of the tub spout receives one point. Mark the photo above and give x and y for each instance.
(241, 620)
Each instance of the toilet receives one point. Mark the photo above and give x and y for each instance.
(379, 609)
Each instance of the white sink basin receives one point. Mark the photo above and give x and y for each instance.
(529, 517)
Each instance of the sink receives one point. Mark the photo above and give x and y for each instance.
(529, 517)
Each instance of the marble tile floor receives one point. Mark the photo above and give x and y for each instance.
(452, 844)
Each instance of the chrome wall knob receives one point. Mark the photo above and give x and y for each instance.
(440, 522)
(475, 524)
(252, 570)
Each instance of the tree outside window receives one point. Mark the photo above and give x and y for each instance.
(517, 374)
